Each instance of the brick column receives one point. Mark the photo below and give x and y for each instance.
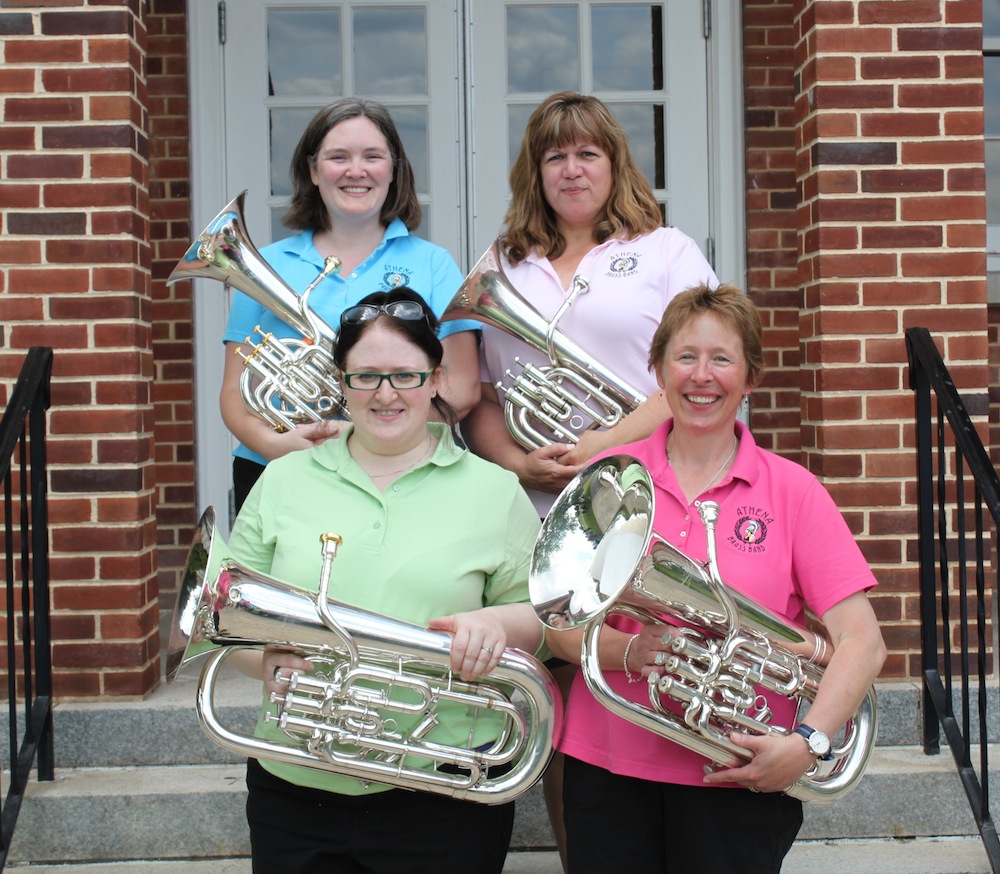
(173, 342)
(75, 275)
(772, 257)
(891, 235)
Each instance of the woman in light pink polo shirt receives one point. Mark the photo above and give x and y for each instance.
(634, 800)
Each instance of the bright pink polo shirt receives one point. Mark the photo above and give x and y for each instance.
(780, 540)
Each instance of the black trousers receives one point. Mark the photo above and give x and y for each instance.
(245, 474)
(296, 830)
(616, 823)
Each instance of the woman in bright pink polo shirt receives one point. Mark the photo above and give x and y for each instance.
(634, 800)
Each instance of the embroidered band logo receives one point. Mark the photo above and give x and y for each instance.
(625, 264)
(394, 278)
(750, 530)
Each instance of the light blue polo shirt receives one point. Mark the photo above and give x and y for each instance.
(400, 259)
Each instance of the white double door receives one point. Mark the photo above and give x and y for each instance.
(461, 78)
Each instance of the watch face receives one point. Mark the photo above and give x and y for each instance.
(819, 743)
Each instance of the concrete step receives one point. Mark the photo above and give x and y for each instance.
(919, 856)
(197, 811)
(154, 787)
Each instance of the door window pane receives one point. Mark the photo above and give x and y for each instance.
(991, 18)
(627, 48)
(390, 50)
(543, 49)
(287, 126)
(411, 122)
(295, 39)
(643, 124)
(517, 121)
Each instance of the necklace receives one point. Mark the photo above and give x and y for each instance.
(715, 476)
(410, 466)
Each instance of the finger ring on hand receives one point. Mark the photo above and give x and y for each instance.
(753, 788)
(488, 649)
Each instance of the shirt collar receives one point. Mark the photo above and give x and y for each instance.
(301, 244)
(333, 454)
(746, 465)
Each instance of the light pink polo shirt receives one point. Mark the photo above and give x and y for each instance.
(631, 283)
(780, 541)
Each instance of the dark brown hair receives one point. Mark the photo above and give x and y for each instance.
(422, 333)
(307, 210)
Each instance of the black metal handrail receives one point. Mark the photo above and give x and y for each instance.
(28, 659)
(944, 497)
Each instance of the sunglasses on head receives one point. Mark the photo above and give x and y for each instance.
(408, 310)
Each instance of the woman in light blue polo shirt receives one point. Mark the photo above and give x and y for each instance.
(353, 197)
(432, 535)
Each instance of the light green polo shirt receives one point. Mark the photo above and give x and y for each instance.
(454, 534)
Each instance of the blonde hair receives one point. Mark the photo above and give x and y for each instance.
(730, 305)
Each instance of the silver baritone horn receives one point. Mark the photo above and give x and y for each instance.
(370, 708)
(286, 382)
(555, 402)
(592, 560)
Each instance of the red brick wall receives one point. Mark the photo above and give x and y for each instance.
(173, 349)
(772, 259)
(896, 151)
(866, 214)
(74, 275)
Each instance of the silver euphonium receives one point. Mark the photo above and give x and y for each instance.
(370, 708)
(592, 559)
(555, 402)
(286, 382)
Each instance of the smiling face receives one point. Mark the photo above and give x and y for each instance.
(703, 373)
(576, 183)
(352, 169)
(389, 421)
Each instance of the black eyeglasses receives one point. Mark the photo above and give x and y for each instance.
(401, 381)
(408, 310)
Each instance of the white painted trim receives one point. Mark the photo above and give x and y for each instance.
(208, 196)
(726, 139)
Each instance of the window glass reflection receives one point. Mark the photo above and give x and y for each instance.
(295, 39)
(643, 123)
(287, 126)
(991, 95)
(543, 49)
(628, 48)
(991, 18)
(517, 121)
(411, 122)
(390, 50)
(993, 182)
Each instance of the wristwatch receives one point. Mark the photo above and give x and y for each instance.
(819, 742)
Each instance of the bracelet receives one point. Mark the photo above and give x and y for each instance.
(628, 648)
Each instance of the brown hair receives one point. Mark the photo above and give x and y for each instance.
(730, 305)
(564, 118)
(307, 210)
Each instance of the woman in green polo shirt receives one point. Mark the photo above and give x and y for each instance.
(432, 535)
